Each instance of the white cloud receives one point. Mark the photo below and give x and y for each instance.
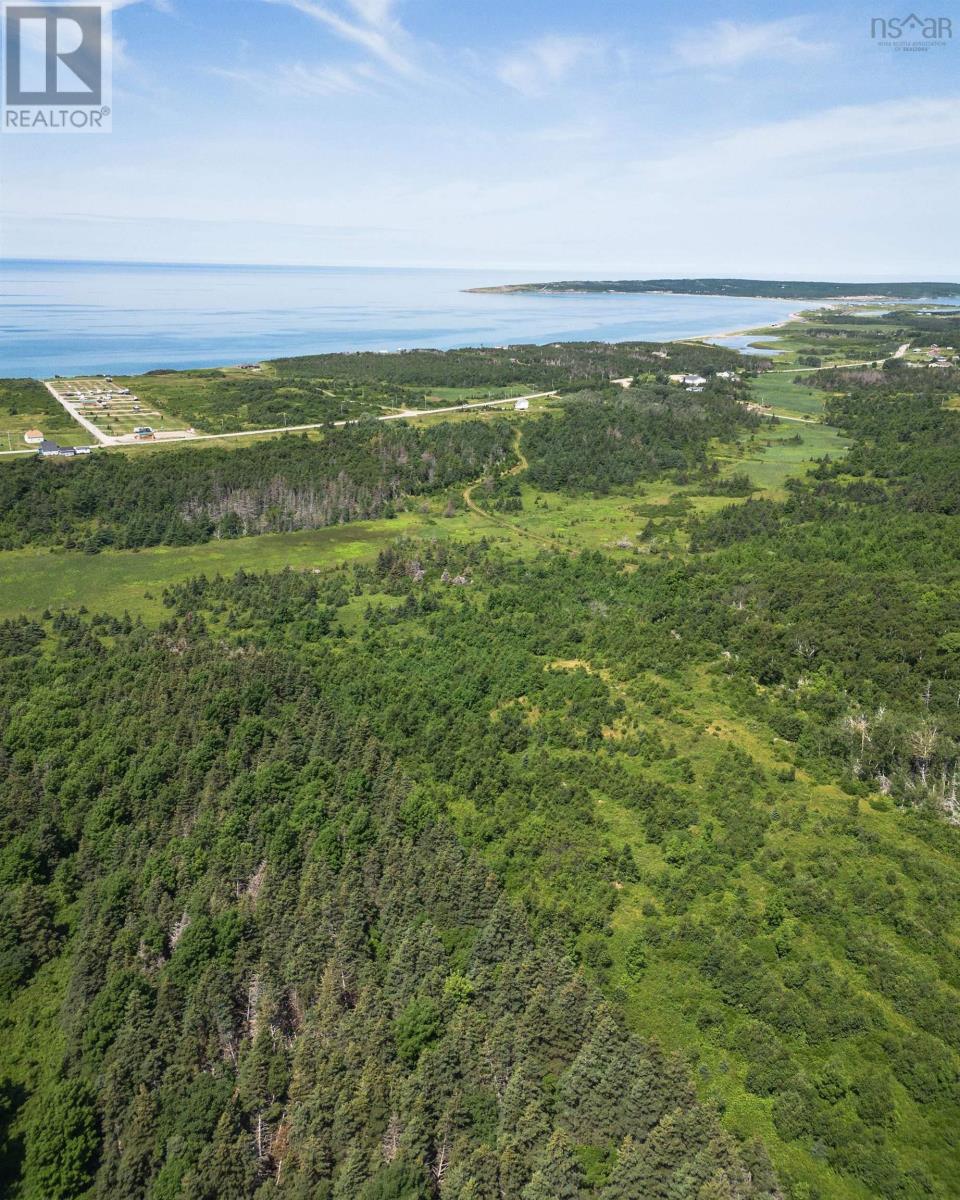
(545, 62)
(369, 24)
(732, 43)
(845, 135)
(116, 5)
(301, 80)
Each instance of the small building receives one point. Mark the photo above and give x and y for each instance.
(33, 437)
(521, 405)
(49, 449)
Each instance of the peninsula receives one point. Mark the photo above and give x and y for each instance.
(785, 289)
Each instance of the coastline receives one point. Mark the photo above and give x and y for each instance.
(527, 289)
(799, 315)
(521, 289)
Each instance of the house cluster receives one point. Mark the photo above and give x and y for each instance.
(693, 383)
(939, 356)
(51, 449)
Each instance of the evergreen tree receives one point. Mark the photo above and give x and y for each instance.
(559, 1175)
(62, 1143)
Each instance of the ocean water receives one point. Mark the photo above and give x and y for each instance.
(743, 343)
(74, 317)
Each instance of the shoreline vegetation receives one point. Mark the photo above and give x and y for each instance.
(747, 289)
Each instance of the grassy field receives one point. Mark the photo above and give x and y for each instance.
(26, 404)
(786, 397)
(464, 395)
(132, 581)
(782, 451)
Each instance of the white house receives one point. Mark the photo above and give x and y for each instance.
(33, 437)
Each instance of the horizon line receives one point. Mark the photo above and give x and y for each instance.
(559, 278)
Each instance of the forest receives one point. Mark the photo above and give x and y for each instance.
(194, 495)
(557, 365)
(456, 872)
(284, 974)
(604, 440)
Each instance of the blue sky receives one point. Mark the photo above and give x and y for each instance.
(617, 138)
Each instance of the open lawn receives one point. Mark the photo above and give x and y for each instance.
(26, 404)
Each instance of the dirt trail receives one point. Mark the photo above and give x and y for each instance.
(520, 465)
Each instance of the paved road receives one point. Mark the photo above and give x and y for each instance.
(406, 414)
(103, 438)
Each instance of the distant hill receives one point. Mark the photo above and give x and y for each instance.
(785, 289)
